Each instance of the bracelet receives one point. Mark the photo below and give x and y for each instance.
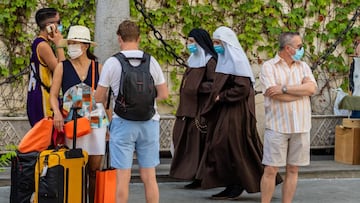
(60, 47)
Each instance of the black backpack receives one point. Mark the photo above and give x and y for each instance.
(137, 92)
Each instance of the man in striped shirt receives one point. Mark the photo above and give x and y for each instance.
(287, 84)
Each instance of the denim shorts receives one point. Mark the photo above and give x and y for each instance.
(128, 136)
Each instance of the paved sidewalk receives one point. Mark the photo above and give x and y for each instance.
(324, 181)
(308, 191)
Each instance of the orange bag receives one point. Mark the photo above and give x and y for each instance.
(82, 127)
(105, 186)
(105, 189)
(38, 138)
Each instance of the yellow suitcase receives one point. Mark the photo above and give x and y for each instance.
(60, 176)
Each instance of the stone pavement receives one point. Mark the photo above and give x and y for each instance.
(308, 191)
(323, 181)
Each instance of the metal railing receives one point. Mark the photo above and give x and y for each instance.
(322, 134)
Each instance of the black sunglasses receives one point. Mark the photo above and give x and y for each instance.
(58, 22)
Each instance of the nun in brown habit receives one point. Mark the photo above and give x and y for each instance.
(233, 150)
(189, 133)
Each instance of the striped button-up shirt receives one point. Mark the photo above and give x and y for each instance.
(286, 117)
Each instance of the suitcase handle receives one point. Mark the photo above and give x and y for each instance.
(74, 153)
(75, 116)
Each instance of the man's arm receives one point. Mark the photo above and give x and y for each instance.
(293, 93)
(162, 91)
(47, 55)
(101, 97)
(100, 94)
(286, 97)
(307, 88)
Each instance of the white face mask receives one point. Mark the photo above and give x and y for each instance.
(74, 50)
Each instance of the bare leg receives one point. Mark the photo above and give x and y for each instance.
(148, 176)
(267, 185)
(122, 185)
(94, 164)
(289, 187)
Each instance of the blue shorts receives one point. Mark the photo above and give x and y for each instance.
(129, 136)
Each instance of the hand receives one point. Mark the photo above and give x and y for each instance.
(306, 80)
(58, 122)
(274, 90)
(57, 38)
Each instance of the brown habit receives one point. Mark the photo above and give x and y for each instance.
(188, 140)
(233, 150)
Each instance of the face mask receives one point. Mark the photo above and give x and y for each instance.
(299, 54)
(60, 28)
(192, 48)
(74, 50)
(219, 49)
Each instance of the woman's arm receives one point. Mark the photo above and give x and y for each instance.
(54, 95)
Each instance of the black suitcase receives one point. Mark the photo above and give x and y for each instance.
(22, 177)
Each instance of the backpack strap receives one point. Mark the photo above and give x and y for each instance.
(122, 59)
(108, 99)
(120, 56)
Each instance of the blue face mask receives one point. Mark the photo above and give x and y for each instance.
(299, 54)
(60, 28)
(219, 49)
(192, 48)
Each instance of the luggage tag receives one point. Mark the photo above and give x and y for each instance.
(45, 168)
(44, 171)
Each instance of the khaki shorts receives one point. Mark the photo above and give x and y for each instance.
(286, 149)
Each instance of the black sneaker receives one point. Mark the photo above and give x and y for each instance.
(223, 194)
(235, 193)
(194, 185)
